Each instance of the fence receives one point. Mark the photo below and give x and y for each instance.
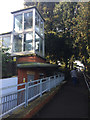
(28, 92)
(87, 80)
(8, 84)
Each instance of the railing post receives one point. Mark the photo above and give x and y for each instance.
(59, 79)
(55, 81)
(40, 87)
(49, 84)
(26, 94)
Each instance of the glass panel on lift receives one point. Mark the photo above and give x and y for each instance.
(41, 27)
(23, 24)
(0, 41)
(28, 39)
(38, 43)
(37, 38)
(17, 47)
(41, 46)
(37, 20)
(6, 41)
(28, 20)
(18, 23)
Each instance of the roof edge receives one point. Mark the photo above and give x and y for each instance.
(6, 33)
(28, 9)
(22, 9)
(35, 64)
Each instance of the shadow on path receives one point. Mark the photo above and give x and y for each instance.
(70, 102)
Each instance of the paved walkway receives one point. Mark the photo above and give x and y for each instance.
(70, 102)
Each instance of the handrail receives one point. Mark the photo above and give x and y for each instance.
(86, 81)
(20, 97)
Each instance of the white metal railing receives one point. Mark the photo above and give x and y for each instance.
(30, 91)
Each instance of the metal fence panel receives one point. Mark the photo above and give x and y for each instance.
(44, 85)
(31, 90)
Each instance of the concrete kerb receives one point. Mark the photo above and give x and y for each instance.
(34, 106)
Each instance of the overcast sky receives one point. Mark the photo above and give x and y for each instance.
(6, 7)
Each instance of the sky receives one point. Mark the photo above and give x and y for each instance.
(6, 18)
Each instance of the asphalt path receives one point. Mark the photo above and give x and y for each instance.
(69, 102)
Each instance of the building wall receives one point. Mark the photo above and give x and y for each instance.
(24, 72)
(37, 72)
(31, 59)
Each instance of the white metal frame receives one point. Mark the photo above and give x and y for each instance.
(7, 35)
(33, 29)
(30, 92)
(28, 30)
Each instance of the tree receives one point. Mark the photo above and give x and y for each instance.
(55, 51)
(81, 31)
(66, 30)
(73, 18)
(46, 10)
(6, 59)
(63, 15)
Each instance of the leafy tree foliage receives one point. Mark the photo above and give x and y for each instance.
(6, 63)
(66, 30)
(73, 18)
(6, 58)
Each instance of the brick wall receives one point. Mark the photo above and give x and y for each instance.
(31, 59)
(23, 72)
